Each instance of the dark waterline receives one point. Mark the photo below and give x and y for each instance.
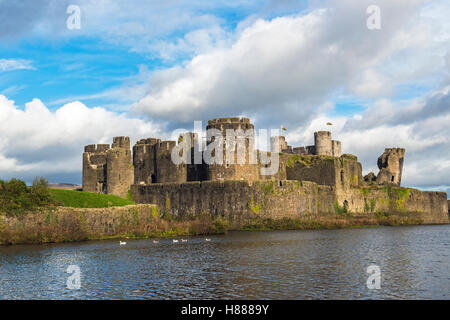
(319, 264)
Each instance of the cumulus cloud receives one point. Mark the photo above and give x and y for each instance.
(281, 70)
(37, 141)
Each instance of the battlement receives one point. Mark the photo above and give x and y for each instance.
(223, 124)
(149, 141)
(228, 120)
(121, 142)
(167, 145)
(99, 148)
(108, 170)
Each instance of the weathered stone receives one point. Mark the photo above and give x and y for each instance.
(108, 170)
(370, 177)
(390, 164)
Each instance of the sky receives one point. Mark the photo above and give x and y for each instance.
(145, 68)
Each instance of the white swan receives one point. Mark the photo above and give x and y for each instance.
(122, 243)
(183, 240)
(207, 239)
(155, 241)
(174, 241)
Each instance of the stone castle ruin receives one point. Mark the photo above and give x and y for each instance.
(309, 181)
(108, 170)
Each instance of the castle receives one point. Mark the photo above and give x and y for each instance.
(311, 180)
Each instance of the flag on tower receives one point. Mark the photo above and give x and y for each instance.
(283, 128)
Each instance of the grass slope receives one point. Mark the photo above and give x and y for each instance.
(78, 199)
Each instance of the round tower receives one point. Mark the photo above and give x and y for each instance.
(322, 141)
(119, 167)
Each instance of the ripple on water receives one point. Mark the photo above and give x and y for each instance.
(325, 264)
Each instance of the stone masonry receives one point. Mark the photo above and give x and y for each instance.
(108, 170)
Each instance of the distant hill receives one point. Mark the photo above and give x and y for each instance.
(66, 186)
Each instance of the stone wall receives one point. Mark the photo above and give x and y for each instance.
(144, 161)
(448, 206)
(240, 202)
(231, 168)
(61, 224)
(341, 172)
(429, 206)
(390, 164)
(94, 168)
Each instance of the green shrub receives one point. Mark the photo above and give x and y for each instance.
(16, 198)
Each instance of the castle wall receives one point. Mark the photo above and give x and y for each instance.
(428, 206)
(240, 202)
(167, 171)
(94, 168)
(342, 172)
(336, 148)
(144, 161)
(230, 169)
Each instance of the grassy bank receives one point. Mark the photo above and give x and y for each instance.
(328, 223)
(77, 199)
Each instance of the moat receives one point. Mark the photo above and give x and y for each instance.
(317, 264)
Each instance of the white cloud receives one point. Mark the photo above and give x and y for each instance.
(36, 141)
(15, 64)
(281, 70)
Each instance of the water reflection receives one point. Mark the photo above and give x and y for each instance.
(326, 264)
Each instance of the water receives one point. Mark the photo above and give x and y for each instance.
(325, 264)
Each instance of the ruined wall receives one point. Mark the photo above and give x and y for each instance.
(390, 164)
(152, 161)
(240, 202)
(282, 145)
(428, 206)
(166, 169)
(336, 148)
(119, 167)
(144, 161)
(94, 168)
(341, 172)
(448, 208)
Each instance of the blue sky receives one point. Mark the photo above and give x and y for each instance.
(144, 68)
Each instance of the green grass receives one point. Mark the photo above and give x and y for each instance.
(78, 199)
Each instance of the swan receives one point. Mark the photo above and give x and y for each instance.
(207, 239)
(155, 241)
(183, 240)
(174, 241)
(122, 243)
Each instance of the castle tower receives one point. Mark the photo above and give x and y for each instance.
(144, 161)
(390, 164)
(323, 144)
(119, 167)
(94, 168)
(240, 162)
(336, 148)
(282, 145)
